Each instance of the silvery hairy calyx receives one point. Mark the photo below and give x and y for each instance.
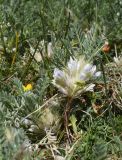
(75, 78)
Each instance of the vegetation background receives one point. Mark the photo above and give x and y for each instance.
(37, 36)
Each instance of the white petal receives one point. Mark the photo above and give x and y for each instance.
(58, 73)
(93, 70)
(97, 74)
(87, 68)
(90, 88)
(72, 64)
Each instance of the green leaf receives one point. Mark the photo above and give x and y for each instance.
(73, 121)
(100, 151)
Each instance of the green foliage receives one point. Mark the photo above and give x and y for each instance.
(32, 122)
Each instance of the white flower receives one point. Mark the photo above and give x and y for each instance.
(75, 77)
(40, 55)
(118, 60)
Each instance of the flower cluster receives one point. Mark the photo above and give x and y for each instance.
(74, 79)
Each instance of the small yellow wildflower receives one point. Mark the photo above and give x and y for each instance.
(28, 87)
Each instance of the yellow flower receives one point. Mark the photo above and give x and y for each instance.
(28, 87)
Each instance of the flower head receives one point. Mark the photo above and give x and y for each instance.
(28, 87)
(74, 79)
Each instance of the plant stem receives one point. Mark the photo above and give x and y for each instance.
(15, 54)
(104, 77)
(3, 43)
(66, 118)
